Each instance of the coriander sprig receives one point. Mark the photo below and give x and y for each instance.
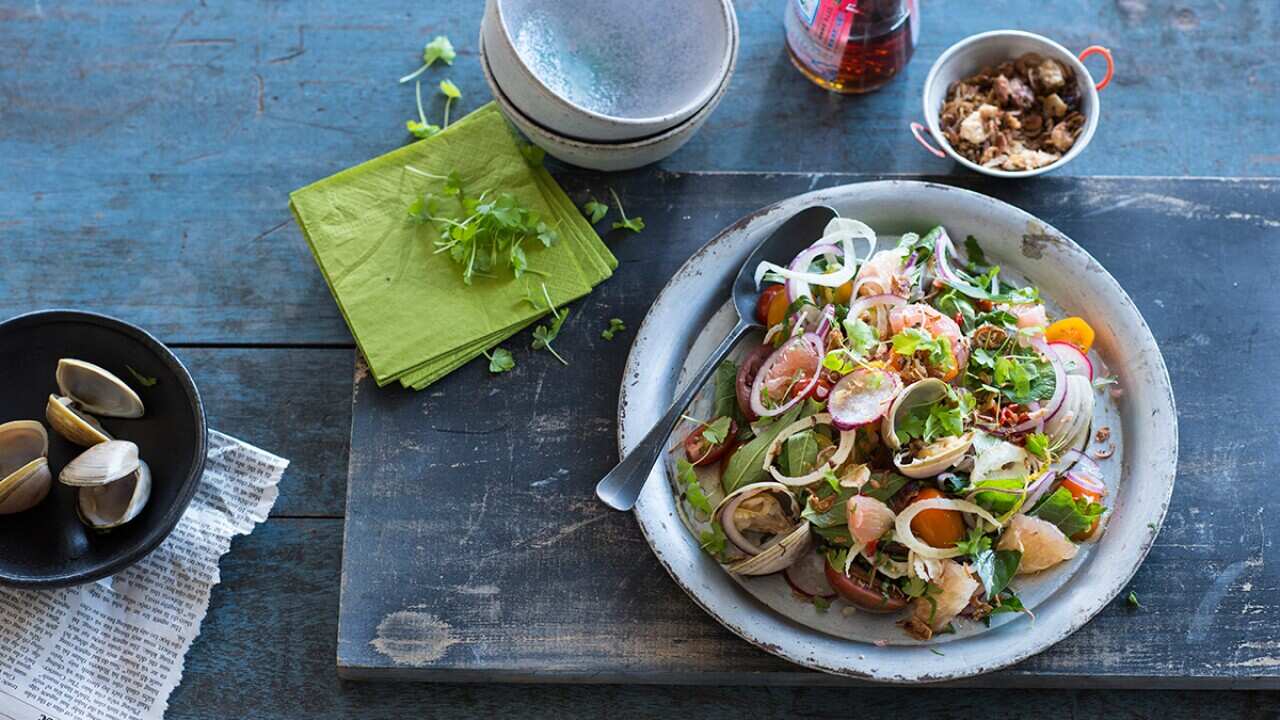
(489, 232)
(500, 361)
(421, 128)
(615, 326)
(451, 93)
(438, 49)
(635, 224)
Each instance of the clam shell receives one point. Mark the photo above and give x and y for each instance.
(778, 556)
(101, 464)
(70, 423)
(103, 507)
(954, 452)
(924, 392)
(21, 441)
(24, 488)
(97, 390)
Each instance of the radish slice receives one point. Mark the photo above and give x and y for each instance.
(863, 396)
(1073, 361)
(808, 343)
(808, 577)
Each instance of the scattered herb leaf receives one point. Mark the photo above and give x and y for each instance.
(500, 361)
(543, 335)
(595, 210)
(143, 380)
(692, 489)
(716, 431)
(438, 49)
(1132, 600)
(635, 224)
(615, 326)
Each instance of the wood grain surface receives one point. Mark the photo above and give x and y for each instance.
(147, 148)
(476, 549)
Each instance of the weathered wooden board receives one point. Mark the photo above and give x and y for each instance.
(148, 147)
(476, 550)
(266, 651)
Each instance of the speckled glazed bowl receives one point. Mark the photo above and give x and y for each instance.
(610, 70)
(606, 156)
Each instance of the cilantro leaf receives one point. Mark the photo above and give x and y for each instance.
(543, 335)
(450, 90)
(615, 326)
(438, 49)
(1132, 600)
(839, 361)
(635, 224)
(420, 129)
(717, 431)
(500, 361)
(595, 210)
(143, 380)
(860, 336)
(1038, 445)
(1070, 515)
(995, 569)
(692, 489)
(714, 540)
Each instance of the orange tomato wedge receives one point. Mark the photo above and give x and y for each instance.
(1071, 330)
(939, 528)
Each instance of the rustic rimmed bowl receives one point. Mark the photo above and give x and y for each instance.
(605, 156)
(610, 70)
(992, 48)
(48, 546)
(681, 328)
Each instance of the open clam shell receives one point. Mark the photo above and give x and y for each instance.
(24, 469)
(66, 419)
(97, 390)
(788, 535)
(938, 455)
(101, 464)
(103, 507)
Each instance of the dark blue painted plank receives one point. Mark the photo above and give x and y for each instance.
(266, 651)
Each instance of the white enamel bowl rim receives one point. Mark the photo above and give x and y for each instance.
(1031, 248)
(958, 55)
(627, 127)
(607, 156)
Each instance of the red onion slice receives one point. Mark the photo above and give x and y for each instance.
(1059, 388)
(1073, 361)
(824, 323)
(815, 344)
(808, 577)
(856, 400)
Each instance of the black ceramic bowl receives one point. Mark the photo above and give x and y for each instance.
(47, 546)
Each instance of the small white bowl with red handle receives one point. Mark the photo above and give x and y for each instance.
(992, 48)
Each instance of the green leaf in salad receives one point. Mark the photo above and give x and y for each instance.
(1038, 445)
(726, 386)
(860, 337)
(799, 453)
(746, 465)
(835, 535)
(945, 418)
(1003, 496)
(1006, 602)
(836, 514)
(837, 558)
(713, 540)
(883, 485)
(716, 431)
(693, 492)
(500, 360)
(973, 251)
(1070, 515)
(839, 361)
(951, 302)
(914, 340)
(995, 569)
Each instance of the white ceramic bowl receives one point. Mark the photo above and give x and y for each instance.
(605, 156)
(608, 70)
(992, 48)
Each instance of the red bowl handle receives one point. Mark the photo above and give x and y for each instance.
(916, 129)
(1111, 63)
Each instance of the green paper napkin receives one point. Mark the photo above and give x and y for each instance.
(407, 307)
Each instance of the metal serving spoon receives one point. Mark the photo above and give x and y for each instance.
(620, 488)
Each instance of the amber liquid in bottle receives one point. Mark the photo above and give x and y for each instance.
(851, 46)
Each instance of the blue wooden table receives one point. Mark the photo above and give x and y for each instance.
(146, 151)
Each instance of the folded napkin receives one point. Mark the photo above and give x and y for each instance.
(411, 314)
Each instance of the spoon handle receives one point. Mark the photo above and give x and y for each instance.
(620, 488)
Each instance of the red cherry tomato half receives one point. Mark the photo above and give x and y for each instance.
(771, 307)
(701, 452)
(856, 589)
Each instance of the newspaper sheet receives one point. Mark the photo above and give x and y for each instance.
(114, 649)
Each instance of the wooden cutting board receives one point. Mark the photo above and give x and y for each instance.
(476, 550)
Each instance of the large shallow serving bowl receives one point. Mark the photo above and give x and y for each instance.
(676, 336)
(610, 70)
(48, 546)
(606, 156)
(992, 48)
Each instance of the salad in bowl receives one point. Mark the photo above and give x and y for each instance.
(910, 437)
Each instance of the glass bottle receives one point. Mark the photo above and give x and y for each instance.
(851, 46)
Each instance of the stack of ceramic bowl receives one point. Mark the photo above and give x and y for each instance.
(608, 84)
